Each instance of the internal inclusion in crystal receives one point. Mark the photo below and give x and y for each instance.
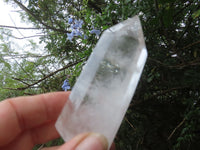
(109, 70)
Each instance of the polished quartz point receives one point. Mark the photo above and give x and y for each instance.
(102, 93)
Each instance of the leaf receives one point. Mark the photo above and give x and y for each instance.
(4, 47)
(6, 64)
(196, 14)
(127, 1)
(195, 54)
(149, 79)
(168, 17)
(166, 1)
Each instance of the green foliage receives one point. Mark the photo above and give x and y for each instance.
(165, 110)
(196, 14)
(55, 142)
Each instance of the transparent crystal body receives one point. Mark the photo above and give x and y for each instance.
(102, 93)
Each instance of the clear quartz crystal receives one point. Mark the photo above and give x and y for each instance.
(103, 91)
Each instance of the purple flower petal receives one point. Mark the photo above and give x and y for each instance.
(95, 31)
(78, 33)
(70, 20)
(85, 37)
(70, 36)
(66, 85)
(78, 23)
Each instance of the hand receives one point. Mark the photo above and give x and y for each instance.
(26, 121)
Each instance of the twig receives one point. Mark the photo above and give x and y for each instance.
(178, 126)
(41, 147)
(163, 91)
(192, 44)
(37, 18)
(190, 63)
(178, 66)
(20, 81)
(26, 37)
(47, 76)
(21, 28)
(27, 73)
(129, 123)
(183, 33)
(25, 56)
(158, 62)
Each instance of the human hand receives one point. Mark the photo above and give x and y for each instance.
(26, 121)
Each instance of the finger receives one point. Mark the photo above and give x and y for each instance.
(44, 133)
(113, 146)
(23, 113)
(72, 144)
(86, 141)
(38, 135)
(75, 142)
(51, 148)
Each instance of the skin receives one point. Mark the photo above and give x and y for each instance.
(27, 121)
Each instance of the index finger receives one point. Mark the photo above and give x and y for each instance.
(22, 113)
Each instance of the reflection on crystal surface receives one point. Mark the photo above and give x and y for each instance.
(101, 96)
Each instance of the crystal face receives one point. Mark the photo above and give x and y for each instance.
(102, 93)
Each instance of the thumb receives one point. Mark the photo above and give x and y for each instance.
(86, 141)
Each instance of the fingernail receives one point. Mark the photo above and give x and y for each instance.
(93, 141)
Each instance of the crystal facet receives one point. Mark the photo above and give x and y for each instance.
(103, 91)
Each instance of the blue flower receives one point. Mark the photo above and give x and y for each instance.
(66, 85)
(70, 20)
(78, 33)
(73, 33)
(76, 26)
(70, 36)
(79, 23)
(85, 37)
(95, 31)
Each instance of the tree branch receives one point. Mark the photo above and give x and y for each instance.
(183, 33)
(129, 123)
(19, 28)
(24, 56)
(192, 44)
(156, 6)
(195, 62)
(27, 73)
(37, 18)
(178, 126)
(161, 92)
(47, 76)
(20, 80)
(26, 37)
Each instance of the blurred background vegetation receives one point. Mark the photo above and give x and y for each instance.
(165, 111)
